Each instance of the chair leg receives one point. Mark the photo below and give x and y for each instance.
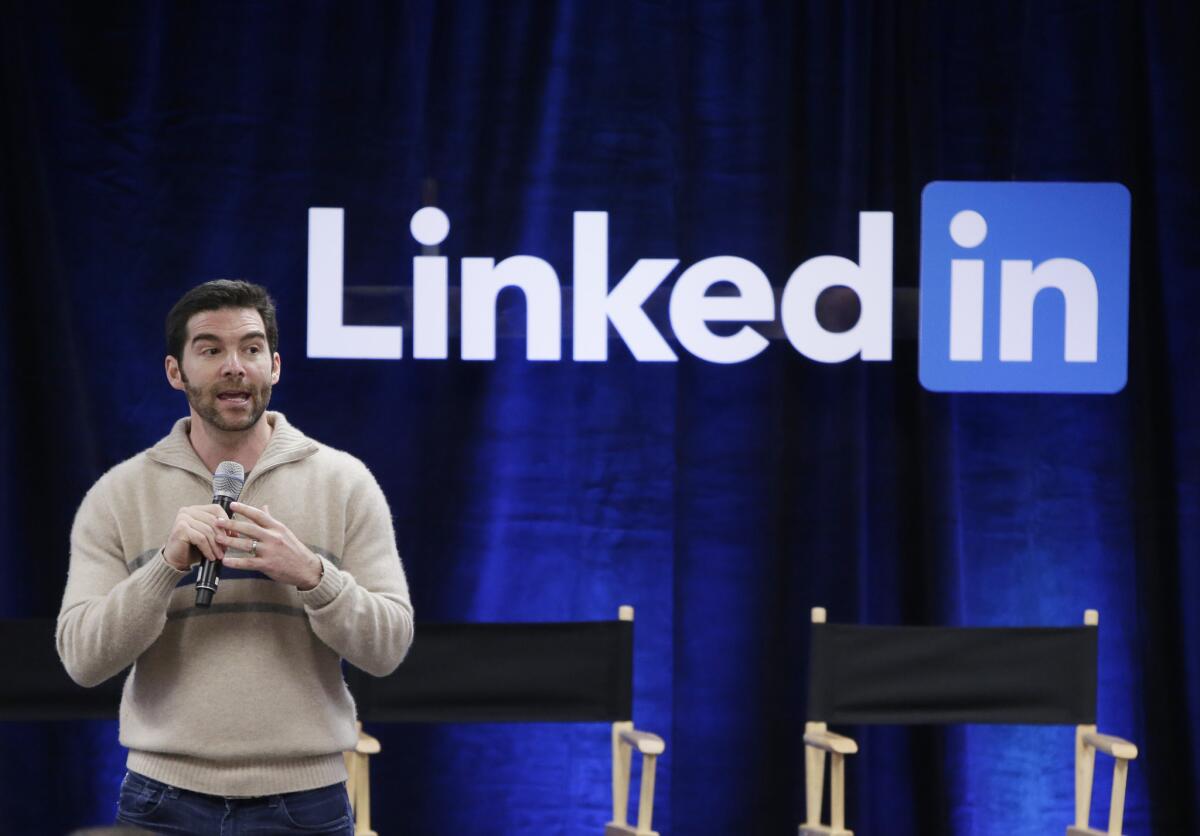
(362, 818)
(646, 796)
(351, 759)
(837, 791)
(814, 779)
(1085, 770)
(622, 766)
(1116, 810)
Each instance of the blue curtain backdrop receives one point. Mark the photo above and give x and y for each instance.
(150, 146)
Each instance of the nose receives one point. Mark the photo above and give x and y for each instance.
(232, 367)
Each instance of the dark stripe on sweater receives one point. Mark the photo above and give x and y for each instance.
(227, 574)
(139, 561)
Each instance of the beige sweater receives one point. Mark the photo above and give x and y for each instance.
(245, 698)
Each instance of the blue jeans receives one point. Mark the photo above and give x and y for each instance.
(159, 808)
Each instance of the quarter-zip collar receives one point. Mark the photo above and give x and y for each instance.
(287, 444)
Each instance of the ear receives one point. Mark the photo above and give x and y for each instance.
(275, 366)
(174, 373)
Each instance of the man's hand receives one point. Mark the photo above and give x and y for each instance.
(268, 546)
(194, 527)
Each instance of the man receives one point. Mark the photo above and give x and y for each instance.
(235, 716)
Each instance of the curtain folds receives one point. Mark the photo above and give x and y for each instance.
(150, 146)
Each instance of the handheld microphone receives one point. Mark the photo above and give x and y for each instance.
(227, 487)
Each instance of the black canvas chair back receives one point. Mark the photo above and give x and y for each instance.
(494, 673)
(913, 675)
(506, 673)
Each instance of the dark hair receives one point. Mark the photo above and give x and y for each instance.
(213, 296)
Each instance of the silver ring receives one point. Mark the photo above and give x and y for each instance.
(254, 548)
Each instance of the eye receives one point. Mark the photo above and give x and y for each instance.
(208, 352)
(254, 349)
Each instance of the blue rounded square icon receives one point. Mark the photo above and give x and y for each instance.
(1024, 287)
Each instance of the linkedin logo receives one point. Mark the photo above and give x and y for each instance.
(1024, 287)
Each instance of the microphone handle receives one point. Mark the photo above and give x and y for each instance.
(209, 573)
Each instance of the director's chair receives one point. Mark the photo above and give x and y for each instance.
(867, 675)
(515, 673)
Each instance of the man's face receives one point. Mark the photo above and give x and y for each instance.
(228, 369)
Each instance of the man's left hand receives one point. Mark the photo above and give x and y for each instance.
(268, 546)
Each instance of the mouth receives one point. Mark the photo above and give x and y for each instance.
(234, 397)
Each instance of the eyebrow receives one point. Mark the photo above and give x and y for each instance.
(253, 335)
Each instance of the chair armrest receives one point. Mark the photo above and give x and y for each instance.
(366, 745)
(830, 742)
(1110, 745)
(644, 742)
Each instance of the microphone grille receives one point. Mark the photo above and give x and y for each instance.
(228, 480)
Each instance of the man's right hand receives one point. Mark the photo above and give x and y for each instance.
(194, 527)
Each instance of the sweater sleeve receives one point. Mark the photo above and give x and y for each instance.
(362, 610)
(109, 615)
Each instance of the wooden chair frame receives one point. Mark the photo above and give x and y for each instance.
(819, 742)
